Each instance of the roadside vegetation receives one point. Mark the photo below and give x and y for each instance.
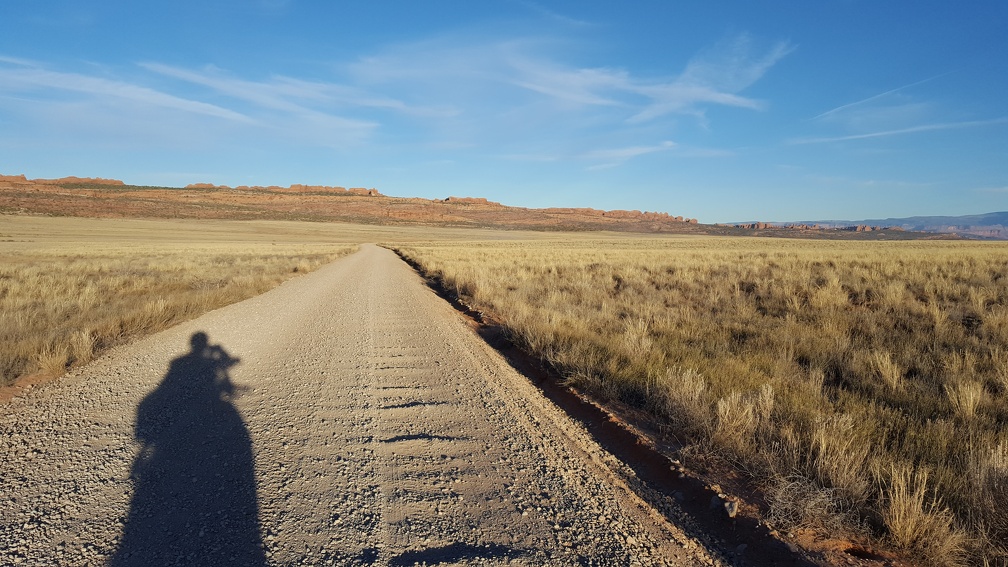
(71, 289)
(862, 385)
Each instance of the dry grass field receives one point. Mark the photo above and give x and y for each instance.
(863, 385)
(72, 288)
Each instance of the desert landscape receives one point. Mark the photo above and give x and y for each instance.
(583, 284)
(808, 401)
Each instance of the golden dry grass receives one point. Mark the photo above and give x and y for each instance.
(72, 288)
(833, 365)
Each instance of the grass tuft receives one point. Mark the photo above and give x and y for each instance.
(887, 369)
(52, 359)
(965, 397)
(920, 524)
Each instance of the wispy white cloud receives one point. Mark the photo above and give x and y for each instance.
(623, 154)
(17, 61)
(28, 77)
(290, 108)
(691, 152)
(286, 93)
(715, 77)
(615, 157)
(476, 66)
(902, 131)
(578, 86)
(291, 100)
(889, 114)
(601, 166)
(606, 158)
(452, 91)
(873, 98)
(877, 117)
(869, 183)
(554, 15)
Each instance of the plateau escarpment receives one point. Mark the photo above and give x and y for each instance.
(87, 197)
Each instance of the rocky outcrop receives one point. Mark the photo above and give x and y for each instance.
(755, 225)
(471, 201)
(296, 188)
(363, 191)
(804, 227)
(1000, 233)
(81, 181)
(22, 180)
(583, 211)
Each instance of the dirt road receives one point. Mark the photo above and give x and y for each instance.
(347, 417)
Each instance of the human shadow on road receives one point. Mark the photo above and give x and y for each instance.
(195, 498)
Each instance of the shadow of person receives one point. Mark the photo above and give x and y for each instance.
(194, 497)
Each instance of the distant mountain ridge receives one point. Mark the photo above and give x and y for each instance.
(987, 225)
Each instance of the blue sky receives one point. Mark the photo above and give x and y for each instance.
(723, 111)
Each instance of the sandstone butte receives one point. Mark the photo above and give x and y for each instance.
(61, 181)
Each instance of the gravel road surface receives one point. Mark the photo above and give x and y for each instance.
(348, 417)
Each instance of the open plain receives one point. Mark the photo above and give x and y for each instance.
(849, 394)
(346, 417)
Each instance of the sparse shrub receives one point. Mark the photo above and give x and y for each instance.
(920, 524)
(887, 369)
(636, 341)
(688, 399)
(959, 365)
(784, 453)
(999, 363)
(965, 397)
(799, 502)
(82, 346)
(763, 406)
(735, 425)
(52, 359)
(990, 495)
(839, 459)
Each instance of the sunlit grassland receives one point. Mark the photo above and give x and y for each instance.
(72, 288)
(863, 384)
